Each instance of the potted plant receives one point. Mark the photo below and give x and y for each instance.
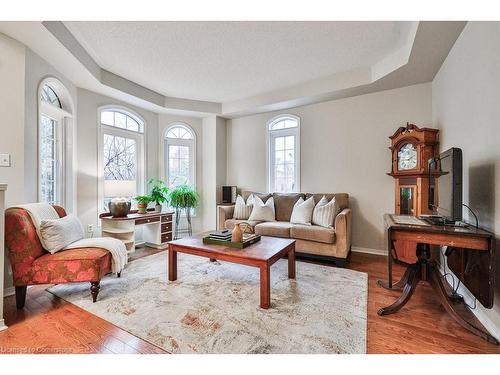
(183, 197)
(142, 203)
(159, 193)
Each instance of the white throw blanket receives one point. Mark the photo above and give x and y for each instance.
(114, 246)
(44, 211)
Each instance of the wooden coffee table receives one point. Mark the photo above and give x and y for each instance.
(261, 255)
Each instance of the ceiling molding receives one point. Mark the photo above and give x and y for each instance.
(416, 60)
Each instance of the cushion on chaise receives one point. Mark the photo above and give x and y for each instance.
(73, 265)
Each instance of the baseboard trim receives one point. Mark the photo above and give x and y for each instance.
(480, 312)
(10, 291)
(2, 325)
(367, 250)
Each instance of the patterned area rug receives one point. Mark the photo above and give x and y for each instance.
(213, 307)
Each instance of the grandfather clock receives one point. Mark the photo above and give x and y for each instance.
(411, 149)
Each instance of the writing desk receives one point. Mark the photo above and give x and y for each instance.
(427, 269)
(157, 228)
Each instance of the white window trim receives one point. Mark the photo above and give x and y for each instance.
(270, 135)
(64, 145)
(140, 139)
(182, 142)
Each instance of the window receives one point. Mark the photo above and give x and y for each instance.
(53, 127)
(179, 155)
(121, 158)
(284, 154)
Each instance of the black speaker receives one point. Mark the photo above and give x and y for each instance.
(228, 194)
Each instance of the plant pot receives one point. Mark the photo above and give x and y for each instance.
(142, 208)
(158, 208)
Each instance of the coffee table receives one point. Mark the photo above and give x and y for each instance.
(261, 254)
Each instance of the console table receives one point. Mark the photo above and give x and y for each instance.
(426, 269)
(157, 228)
(3, 187)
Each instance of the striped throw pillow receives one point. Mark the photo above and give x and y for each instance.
(242, 211)
(325, 212)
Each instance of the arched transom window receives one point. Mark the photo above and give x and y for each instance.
(179, 154)
(284, 154)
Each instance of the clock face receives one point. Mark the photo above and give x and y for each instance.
(407, 157)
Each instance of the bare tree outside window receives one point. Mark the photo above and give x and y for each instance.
(120, 158)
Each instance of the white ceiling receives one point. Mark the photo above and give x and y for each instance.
(228, 61)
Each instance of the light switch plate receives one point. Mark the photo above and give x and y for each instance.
(4, 160)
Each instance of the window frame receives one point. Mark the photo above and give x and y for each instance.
(191, 143)
(271, 135)
(140, 139)
(63, 121)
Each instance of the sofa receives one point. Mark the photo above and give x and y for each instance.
(310, 240)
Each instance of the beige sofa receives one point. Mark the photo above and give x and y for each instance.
(332, 243)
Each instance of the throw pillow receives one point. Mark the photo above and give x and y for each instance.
(302, 211)
(262, 211)
(59, 233)
(325, 212)
(243, 210)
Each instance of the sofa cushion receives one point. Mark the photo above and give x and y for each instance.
(83, 264)
(229, 224)
(341, 198)
(302, 211)
(263, 196)
(324, 213)
(313, 233)
(274, 229)
(284, 203)
(242, 209)
(263, 211)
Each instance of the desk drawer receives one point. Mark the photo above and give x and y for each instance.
(166, 227)
(147, 221)
(166, 218)
(165, 237)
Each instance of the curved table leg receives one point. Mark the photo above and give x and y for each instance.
(400, 284)
(444, 298)
(411, 285)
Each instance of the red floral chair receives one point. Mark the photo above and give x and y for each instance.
(32, 265)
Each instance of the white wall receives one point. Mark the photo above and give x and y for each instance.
(214, 170)
(344, 148)
(466, 109)
(165, 120)
(87, 180)
(36, 70)
(12, 63)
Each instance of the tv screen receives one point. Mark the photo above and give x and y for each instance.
(445, 198)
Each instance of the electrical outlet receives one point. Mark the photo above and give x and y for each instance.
(4, 160)
(90, 228)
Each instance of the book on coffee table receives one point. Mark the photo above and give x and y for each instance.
(248, 239)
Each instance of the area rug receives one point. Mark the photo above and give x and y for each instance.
(214, 307)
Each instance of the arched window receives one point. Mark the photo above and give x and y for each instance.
(179, 155)
(284, 154)
(54, 152)
(121, 156)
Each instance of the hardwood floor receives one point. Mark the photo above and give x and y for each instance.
(48, 324)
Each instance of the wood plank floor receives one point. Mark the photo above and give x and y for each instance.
(48, 324)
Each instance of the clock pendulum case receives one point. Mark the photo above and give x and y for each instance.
(411, 149)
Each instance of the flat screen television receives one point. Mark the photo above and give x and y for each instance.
(445, 187)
